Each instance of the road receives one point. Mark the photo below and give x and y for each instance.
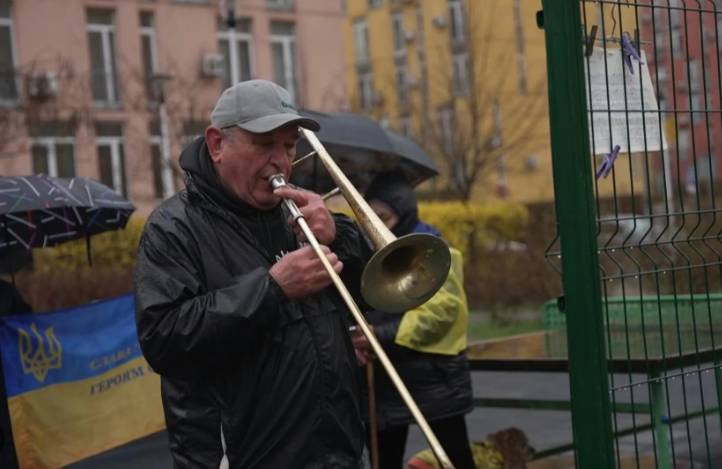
(544, 429)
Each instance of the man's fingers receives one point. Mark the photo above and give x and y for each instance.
(300, 197)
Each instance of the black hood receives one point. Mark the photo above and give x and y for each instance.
(267, 227)
(393, 189)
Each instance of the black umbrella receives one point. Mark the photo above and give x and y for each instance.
(361, 148)
(40, 211)
(413, 160)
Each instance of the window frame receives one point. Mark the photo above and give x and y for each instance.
(361, 41)
(149, 33)
(50, 144)
(446, 128)
(155, 141)
(233, 37)
(398, 34)
(288, 47)
(8, 21)
(462, 82)
(110, 64)
(117, 160)
(457, 28)
(366, 90)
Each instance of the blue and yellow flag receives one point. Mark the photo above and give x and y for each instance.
(77, 383)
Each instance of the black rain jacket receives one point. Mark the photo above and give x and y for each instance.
(440, 384)
(279, 376)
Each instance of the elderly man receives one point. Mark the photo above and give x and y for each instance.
(237, 317)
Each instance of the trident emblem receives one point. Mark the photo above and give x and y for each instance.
(39, 360)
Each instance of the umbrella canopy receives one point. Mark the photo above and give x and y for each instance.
(39, 211)
(361, 148)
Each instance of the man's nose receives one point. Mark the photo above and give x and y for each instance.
(279, 156)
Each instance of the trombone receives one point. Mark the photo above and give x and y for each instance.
(402, 274)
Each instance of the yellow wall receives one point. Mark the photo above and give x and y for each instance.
(493, 33)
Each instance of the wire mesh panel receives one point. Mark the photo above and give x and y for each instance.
(653, 96)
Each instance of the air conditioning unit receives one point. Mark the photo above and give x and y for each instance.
(439, 21)
(409, 36)
(42, 85)
(412, 82)
(213, 65)
(531, 163)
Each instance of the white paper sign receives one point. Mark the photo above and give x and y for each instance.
(607, 82)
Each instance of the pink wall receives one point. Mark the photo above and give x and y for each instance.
(50, 32)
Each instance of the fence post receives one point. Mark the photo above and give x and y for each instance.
(574, 199)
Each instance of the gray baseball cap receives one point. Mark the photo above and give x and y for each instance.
(258, 106)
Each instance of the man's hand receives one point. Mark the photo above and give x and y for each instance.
(301, 273)
(361, 346)
(317, 216)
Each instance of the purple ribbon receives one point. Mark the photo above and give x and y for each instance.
(608, 162)
(629, 51)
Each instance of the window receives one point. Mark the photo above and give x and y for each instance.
(520, 50)
(456, 20)
(446, 129)
(279, 4)
(696, 86)
(461, 73)
(156, 157)
(163, 177)
(236, 45)
(397, 22)
(361, 41)
(283, 51)
(406, 126)
(660, 38)
(111, 159)
(676, 18)
(103, 69)
(148, 51)
(366, 90)
(375, 3)
(8, 84)
(53, 148)
(402, 84)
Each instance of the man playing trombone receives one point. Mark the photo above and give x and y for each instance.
(237, 317)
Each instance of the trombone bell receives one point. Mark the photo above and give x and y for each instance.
(405, 273)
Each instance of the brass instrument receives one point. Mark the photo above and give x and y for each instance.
(402, 274)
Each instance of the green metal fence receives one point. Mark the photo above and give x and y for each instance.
(636, 124)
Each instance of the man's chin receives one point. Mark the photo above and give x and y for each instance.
(268, 202)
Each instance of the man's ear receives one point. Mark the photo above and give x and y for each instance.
(214, 140)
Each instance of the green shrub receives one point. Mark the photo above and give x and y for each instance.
(473, 228)
(113, 250)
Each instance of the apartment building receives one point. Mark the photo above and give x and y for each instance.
(467, 80)
(113, 89)
(682, 42)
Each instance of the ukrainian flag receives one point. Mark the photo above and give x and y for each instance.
(77, 383)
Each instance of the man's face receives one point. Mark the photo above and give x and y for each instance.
(244, 161)
(385, 213)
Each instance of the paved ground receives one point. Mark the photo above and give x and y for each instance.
(545, 429)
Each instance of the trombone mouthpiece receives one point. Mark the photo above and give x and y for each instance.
(277, 181)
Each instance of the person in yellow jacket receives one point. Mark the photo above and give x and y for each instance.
(426, 344)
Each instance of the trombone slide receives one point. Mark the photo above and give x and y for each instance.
(277, 181)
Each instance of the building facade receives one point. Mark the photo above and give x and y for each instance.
(113, 89)
(467, 80)
(682, 41)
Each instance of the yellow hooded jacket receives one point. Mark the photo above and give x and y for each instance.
(439, 325)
